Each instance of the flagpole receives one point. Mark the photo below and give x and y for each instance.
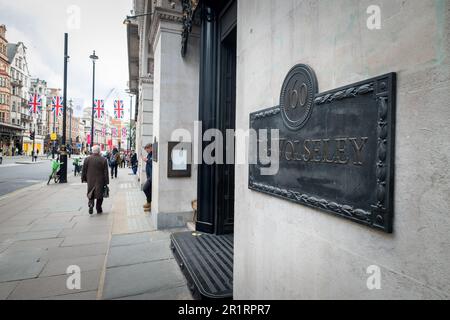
(63, 158)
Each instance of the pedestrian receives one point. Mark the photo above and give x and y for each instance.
(122, 160)
(114, 160)
(148, 170)
(36, 155)
(128, 159)
(1, 155)
(134, 162)
(95, 173)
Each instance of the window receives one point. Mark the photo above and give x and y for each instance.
(2, 117)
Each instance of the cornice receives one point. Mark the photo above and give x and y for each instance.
(163, 14)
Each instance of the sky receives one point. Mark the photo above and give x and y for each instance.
(91, 25)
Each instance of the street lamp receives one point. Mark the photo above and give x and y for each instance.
(129, 18)
(94, 58)
(131, 115)
(63, 157)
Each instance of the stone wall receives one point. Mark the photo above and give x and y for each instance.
(176, 87)
(289, 251)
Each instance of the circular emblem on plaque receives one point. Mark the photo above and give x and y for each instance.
(297, 96)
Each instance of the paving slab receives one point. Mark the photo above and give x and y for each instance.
(21, 265)
(77, 251)
(141, 278)
(42, 244)
(127, 239)
(37, 235)
(61, 226)
(86, 229)
(53, 286)
(71, 241)
(59, 266)
(13, 230)
(178, 293)
(138, 253)
(88, 295)
(6, 288)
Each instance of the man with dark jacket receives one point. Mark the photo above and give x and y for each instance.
(95, 173)
(148, 170)
(134, 162)
(114, 162)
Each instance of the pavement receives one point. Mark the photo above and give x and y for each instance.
(44, 230)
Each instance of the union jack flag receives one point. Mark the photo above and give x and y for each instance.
(58, 106)
(35, 103)
(114, 132)
(124, 132)
(118, 109)
(99, 108)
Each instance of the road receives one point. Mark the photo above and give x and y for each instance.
(17, 176)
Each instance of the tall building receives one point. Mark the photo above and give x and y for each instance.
(39, 123)
(9, 129)
(141, 65)
(20, 85)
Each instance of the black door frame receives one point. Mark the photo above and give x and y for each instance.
(219, 20)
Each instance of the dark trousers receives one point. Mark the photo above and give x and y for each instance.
(98, 206)
(114, 170)
(148, 190)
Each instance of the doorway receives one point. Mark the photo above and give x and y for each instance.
(218, 111)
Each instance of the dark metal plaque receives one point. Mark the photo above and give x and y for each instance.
(336, 149)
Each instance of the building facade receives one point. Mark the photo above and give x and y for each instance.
(20, 87)
(5, 94)
(229, 65)
(9, 129)
(38, 125)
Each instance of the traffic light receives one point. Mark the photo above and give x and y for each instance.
(32, 135)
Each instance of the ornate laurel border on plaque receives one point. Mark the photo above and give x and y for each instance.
(383, 90)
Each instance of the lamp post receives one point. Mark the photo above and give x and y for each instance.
(63, 158)
(94, 58)
(131, 115)
(129, 18)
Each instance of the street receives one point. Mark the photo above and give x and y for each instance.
(14, 176)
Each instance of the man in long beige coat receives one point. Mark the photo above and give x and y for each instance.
(95, 173)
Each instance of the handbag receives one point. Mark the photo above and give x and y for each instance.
(105, 191)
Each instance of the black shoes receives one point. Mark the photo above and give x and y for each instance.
(99, 211)
(91, 210)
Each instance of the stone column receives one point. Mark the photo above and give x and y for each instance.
(175, 106)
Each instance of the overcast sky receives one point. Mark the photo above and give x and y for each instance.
(91, 24)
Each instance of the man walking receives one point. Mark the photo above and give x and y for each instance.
(148, 170)
(134, 162)
(95, 173)
(114, 162)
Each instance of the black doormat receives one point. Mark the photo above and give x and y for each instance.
(207, 263)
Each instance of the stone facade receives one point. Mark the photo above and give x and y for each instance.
(20, 87)
(5, 79)
(288, 251)
(167, 100)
